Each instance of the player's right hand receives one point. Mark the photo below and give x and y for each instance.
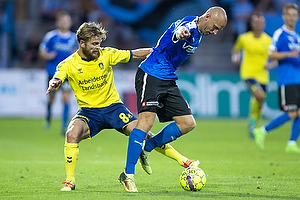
(53, 85)
(182, 33)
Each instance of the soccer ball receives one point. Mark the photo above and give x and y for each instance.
(192, 179)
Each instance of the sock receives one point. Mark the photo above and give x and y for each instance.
(277, 121)
(135, 143)
(255, 110)
(71, 157)
(295, 131)
(48, 117)
(292, 142)
(169, 151)
(65, 116)
(169, 133)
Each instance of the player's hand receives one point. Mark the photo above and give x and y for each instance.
(235, 59)
(182, 33)
(271, 65)
(51, 55)
(53, 85)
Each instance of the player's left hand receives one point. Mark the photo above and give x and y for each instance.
(53, 85)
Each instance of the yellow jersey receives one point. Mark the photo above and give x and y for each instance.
(92, 81)
(254, 57)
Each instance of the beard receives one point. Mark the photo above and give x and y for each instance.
(89, 55)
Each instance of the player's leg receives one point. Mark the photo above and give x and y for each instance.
(166, 150)
(291, 146)
(77, 130)
(295, 131)
(172, 131)
(66, 95)
(135, 143)
(258, 96)
(174, 108)
(146, 91)
(136, 138)
(48, 109)
(170, 152)
(85, 124)
(288, 104)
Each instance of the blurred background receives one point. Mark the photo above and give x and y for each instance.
(208, 80)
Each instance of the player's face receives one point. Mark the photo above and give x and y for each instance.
(64, 23)
(212, 26)
(91, 48)
(291, 17)
(257, 23)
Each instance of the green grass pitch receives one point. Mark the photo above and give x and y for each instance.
(32, 164)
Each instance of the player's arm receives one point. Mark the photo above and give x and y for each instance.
(140, 54)
(54, 85)
(235, 57)
(275, 55)
(47, 55)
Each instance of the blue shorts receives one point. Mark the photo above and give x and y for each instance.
(115, 116)
(252, 85)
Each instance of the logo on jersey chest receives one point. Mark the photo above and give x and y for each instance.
(80, 71)
(101, 66)
(188, 48)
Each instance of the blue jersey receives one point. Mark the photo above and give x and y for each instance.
(63, 44)
(170, 53)
(288, 68)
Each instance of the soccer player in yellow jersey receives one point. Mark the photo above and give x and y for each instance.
(254, 45)
(89, 72)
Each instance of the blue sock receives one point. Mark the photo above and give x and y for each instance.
(168, 134)
(48, 117)
(65, 116)
(135, 143)
(295, 129)
(277, 121)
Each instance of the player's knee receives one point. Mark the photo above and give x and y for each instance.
(146, 127)
(188, 125)
(72, 137)
(260, 97)
(192, 124)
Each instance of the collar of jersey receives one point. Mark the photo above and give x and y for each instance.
(84, 59)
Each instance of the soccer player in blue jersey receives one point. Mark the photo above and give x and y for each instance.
(90, 74)
(57, 45)
(157, 92)
(285, 48)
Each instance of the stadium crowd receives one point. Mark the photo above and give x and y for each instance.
(23, 23)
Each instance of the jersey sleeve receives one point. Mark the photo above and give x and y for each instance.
(119, 56)
(275, 40)
(238, 45)
(46, 42)
(61, 71)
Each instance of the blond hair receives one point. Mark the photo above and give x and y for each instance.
(88, 30)
(288, 6)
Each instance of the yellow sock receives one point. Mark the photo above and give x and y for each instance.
(255, 110)
(71, 157)
(169, 151)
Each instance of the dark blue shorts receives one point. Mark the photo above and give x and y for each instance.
(160, 96)
(253, 85)
(289, 97)
(115, 116)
